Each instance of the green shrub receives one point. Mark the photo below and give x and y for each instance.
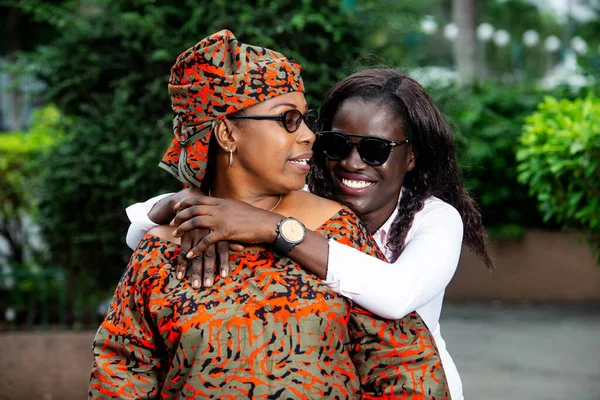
(106, 161)
(17, 175)
(488, 121)
(559, 159)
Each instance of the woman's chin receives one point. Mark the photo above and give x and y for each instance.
(292, 184)
(298, 186)
(356, 203)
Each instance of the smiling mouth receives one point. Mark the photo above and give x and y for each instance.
(303, 161)
(354, 184)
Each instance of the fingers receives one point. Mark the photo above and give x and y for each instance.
(203, 257)
(223, 249)
(192, 224)
(195, 201)
(203, 244)
(182, 265)
(196, 272)
(210, 258)
(182, 260)
(189, 213)
(236, 247)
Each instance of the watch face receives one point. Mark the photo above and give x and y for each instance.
(292, 230)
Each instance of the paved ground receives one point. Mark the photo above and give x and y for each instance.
(502, 352)
(525, 352)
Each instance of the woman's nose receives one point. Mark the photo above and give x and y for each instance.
(353, 162)
(305, 135)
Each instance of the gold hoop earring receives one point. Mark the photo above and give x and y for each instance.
(230, 158)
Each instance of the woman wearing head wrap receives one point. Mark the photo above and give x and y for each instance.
(273, 330)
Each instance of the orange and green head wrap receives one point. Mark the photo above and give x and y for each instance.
(217, 77)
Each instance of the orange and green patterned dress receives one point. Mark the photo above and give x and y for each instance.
(270, 331)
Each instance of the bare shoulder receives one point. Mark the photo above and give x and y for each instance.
(311, 209)
(165, 232)
(312, 200)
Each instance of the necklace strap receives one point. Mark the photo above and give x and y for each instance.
(278, 201)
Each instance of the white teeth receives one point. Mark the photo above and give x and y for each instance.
(356, 184)
(301, 162)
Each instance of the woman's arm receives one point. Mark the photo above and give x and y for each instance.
(391, 291)
(393, 358)
(420, 274)
(235, 221)
(147, 215)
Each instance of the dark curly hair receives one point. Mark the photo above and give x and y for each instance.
(436, 171)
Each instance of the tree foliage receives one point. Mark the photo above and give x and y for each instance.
(17, 200)
(488, 123)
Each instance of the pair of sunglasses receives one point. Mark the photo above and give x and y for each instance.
(290, 119)
(373, 151)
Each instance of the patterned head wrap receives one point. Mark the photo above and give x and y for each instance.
(217, 77)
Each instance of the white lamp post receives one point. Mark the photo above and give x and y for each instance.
(501, 38)
(551, 45)
(484, 34)
(532, 57)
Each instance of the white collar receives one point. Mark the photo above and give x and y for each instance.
(381, 235)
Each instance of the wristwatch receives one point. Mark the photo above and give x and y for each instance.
(290, 233)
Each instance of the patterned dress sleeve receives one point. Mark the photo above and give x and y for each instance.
(128, 359)
(395, 359)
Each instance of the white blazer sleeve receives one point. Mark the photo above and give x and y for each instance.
(420, 274)
(140, 223)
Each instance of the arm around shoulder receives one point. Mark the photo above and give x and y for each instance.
(419, 275)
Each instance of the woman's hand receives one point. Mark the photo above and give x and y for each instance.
(164, 211)
(203, 268)
(228, 220)
(235, 221)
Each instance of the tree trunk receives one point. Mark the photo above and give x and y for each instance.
(13, 45)
(465, 15)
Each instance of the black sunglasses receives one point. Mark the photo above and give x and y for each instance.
(291, 119)
(373, 151)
